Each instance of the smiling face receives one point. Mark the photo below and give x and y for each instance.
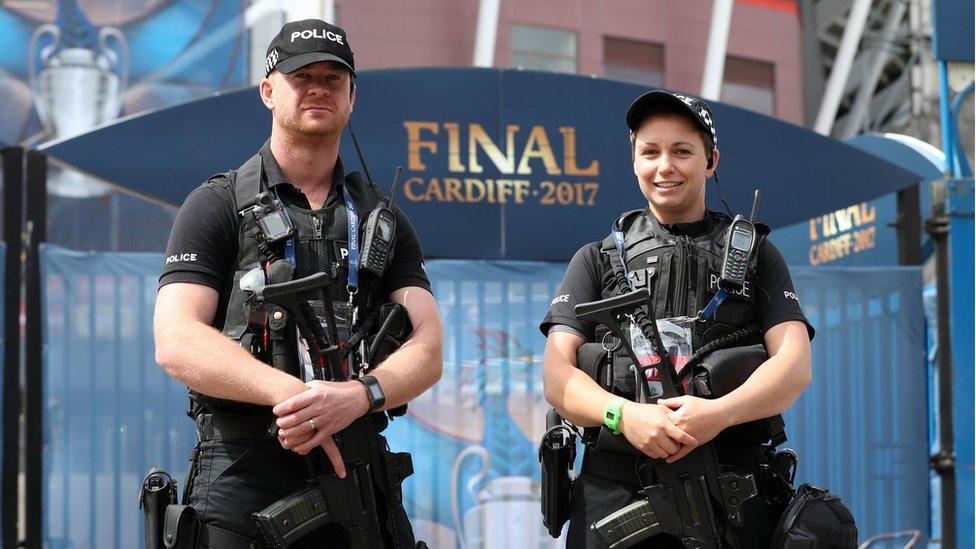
(313, 101)
(670, 159)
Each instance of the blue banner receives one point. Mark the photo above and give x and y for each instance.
(498, 163)
(952, 34)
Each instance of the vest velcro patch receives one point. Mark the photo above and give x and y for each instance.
(340, 249)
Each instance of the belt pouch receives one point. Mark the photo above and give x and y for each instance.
(180, 527)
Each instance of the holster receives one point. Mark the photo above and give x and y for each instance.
(158, 491)
(556, 454)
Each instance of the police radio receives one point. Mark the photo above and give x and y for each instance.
(379, 234)
(740, 239)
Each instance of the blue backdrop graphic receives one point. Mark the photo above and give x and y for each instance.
(164, 52)
(110, 412)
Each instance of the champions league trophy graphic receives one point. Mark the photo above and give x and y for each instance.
(507, 499)
(80, 82)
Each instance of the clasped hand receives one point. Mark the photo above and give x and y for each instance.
(331, 406)
(673, 427)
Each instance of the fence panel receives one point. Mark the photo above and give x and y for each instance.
(111, 413)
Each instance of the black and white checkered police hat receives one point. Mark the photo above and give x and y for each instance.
(697, 110)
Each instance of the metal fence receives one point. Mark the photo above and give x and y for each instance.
(111, 413)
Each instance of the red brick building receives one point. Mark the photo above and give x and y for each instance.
(657, 42)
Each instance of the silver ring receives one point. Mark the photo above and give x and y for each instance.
(312, 423)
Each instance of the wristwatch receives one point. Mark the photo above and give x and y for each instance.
(373, 390)
(612, 413)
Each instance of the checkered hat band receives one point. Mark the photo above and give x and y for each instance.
(270, 62)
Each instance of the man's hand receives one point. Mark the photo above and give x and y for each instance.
(702, 419)
(331, 406)
(647, 427)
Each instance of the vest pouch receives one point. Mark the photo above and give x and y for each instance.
(815, 519)
(181, 527)
(724, 370)
(398, 320)
(592, 359)
(624, 380)
(606, 441)
(393, 329)
(236, 320)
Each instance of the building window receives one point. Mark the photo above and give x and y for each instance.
(543, 49)
(633, 61)
(749, 84)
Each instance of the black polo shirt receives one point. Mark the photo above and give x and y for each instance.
(589, 273)
(203, 245)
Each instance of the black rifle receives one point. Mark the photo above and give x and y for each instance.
(692, 499)
(350, 502)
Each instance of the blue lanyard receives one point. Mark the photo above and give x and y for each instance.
(713, 305)
(352, 222)
(290, 251)
(618, 239)
(352, 217)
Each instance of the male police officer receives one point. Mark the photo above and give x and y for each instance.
(199, 327)
(674, 245)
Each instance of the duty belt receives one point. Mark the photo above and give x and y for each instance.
(626, 469)
(216, 426)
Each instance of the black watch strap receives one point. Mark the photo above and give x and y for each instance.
(377, 398)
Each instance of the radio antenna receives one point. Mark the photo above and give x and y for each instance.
(755, 206)
(393, 190)
(359, 153)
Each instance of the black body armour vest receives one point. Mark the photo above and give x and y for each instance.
(682, 273)
(321, 241)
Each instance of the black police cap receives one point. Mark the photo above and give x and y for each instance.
(698, 111)
(301, 43)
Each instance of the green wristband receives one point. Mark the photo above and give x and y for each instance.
(612, 414)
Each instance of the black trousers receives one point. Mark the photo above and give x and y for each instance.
(594, 497)
(234, 478)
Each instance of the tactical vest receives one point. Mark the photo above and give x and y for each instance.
(320, 245)
(682, 273)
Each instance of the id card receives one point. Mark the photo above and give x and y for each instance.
(343, 317)
(675, 336)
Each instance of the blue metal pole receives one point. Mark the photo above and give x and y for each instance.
(944, 116)
(961, 262)
(961, 242)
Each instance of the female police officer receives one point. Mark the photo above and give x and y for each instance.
(674, 242)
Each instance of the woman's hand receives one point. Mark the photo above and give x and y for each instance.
(648, 428)
(702, 419)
